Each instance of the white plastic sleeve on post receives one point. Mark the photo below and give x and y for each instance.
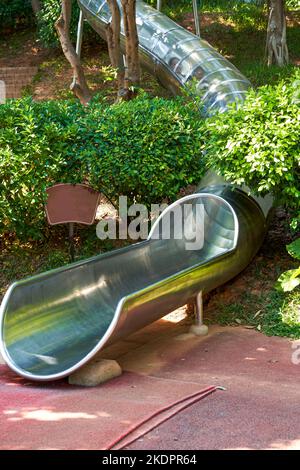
(2, 92)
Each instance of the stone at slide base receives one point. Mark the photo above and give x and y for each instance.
(95, 373)
(199, 330)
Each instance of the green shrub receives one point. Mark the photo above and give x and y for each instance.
(15, 14)
(46, 20)
(145, 149)
(293, 4)
(259, 143)
(35, 146)
(290, 279)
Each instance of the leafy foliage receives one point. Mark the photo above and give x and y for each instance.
(272, 312)
(145, 149)
(258, 144)
(46, 23)
(293, 4)
(47, 17)
(293, 249)
(35, 144)
(15, 14)
(290, 279)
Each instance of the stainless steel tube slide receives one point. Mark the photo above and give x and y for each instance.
(53, 323)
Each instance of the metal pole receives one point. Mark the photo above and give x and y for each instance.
(199, 329)
(196, 17)
(79, 39)
(199, 309)
(79, 34)
(159, 5)
(71, 242)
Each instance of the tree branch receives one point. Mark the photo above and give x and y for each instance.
(79, 86)
(276, 46)
(36, 6)
(113, 31)
(132, 42)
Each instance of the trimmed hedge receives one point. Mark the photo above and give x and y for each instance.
(259, 143)
(35, 142)
(149, 148)
(144, 149)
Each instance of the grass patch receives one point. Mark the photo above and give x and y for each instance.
(250, 299)
(259, 74)
(273, 313)
(243, 43)
(238, 31)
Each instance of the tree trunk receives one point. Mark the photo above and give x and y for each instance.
(113, 31)
(277, 50)
(79, 86)
(36, 6)
(132, 43)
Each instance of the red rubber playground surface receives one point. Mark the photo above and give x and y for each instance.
(260, 408)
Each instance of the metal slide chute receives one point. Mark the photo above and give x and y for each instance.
(53, 323)
(175, 56)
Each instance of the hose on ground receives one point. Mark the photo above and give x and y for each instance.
(186, 402)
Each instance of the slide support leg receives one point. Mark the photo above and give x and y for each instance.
(79, 39)
(199, 329)
(79, 34)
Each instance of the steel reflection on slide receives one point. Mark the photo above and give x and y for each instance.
(177, 57)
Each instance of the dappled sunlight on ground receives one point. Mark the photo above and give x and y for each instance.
(176, 316)
(48, 415)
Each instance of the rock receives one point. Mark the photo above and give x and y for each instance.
(95, 372)
(199, 330)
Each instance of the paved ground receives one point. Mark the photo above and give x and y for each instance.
(259, 410)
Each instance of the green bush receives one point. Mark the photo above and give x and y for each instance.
(15, 14)
(290, 279)
(259, 143)
(145, 149)
(35, 146)
(46, 20)
(293, 4)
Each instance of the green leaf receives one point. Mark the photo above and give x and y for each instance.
(294, 249)
(288, 280)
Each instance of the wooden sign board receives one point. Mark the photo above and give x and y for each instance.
(71, 203)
